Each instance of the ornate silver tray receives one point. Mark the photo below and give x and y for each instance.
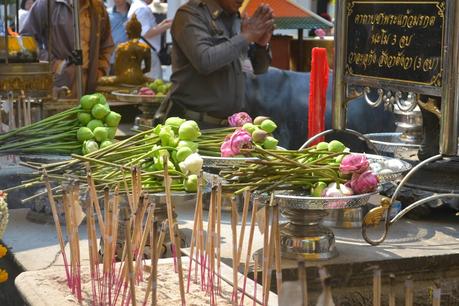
(127, 96)
(395, 174)
(306, 202)
(391, 142)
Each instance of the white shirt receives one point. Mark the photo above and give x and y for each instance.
(22, 17)
(146, 19)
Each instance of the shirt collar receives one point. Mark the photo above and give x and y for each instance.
(214, 8)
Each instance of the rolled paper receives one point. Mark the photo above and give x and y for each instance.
(318, 93)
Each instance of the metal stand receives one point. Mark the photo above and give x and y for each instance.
(375, 215)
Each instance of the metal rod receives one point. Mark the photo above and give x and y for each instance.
(339, 86)
(450, 91)
(77, 44)
(347, 131)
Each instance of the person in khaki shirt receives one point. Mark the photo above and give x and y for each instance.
(96, 39)
(213, 50)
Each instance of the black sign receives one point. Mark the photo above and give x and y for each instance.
(396, 40)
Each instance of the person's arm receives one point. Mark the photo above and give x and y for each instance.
(144, 16)
(260, 56)
(189, 31)
(36, 22)
(106, 46)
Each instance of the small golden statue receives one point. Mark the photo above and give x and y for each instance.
(129, 57)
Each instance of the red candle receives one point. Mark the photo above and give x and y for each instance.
(318, 93)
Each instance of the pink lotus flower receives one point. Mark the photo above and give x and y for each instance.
(239, 119)
(233, 144)
(364, 183)
(354, 163)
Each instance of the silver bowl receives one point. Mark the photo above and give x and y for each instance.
(303, 236)
(127, 96)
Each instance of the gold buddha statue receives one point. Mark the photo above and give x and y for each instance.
(129, 57)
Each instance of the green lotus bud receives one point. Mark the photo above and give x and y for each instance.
(186, 143)
(113, 119)
(336, 146)
(101, 98)
(259, 136)
(183, 153)
(258, 120)
(100, 134)
(84, 134)
(189, 130)
(84, 118)
(105, 144)
(174, 122)
(167, 136)
(99, 111)
(94, 124)
(90, 146)
(322, 146)
(268, 125)
(88, 101)
(111, 132)
(270, 143)
(249, 127)
(191, 183)
(317, 189)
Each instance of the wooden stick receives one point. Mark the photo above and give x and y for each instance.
(277, 250)
(194, 232)
(170, 216)
(209, 239)
(130, 266)
(91, 258)
(212, 245)
(162, 236)
(76, 223)
(219, 238)
(272, 234)
(154, 266)
(265, 249)
(302, 280)
(409, 291)
(436, 294)
(392, 290)
(255, 281)
(95, 199)
(245, 210)
(377, 287)
(68, 218)
(145, 234)
(249, 247)
(234, 235)
(57, 224)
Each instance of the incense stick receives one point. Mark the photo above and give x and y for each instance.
(302, 280)
(130, 266)
(194, 231)
(392, 290)
(234, 235)
(272, 234)
(255, 280)
(377, 287)
(436, 294)
(409, 291)
(219, 223)
(277, 250)
(243, 224)
(249, 247)
(57, 224)
(173, 235)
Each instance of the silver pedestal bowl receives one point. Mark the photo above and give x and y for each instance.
(303, 236)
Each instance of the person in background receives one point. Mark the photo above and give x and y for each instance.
(151, 32)
(118, 18)
(213, 50)
(96, 40)
(24, 12)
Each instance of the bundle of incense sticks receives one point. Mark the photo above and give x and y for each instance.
(112, 283)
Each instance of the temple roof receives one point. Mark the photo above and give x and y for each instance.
(288, 15)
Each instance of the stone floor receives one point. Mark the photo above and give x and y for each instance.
(425, 250)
